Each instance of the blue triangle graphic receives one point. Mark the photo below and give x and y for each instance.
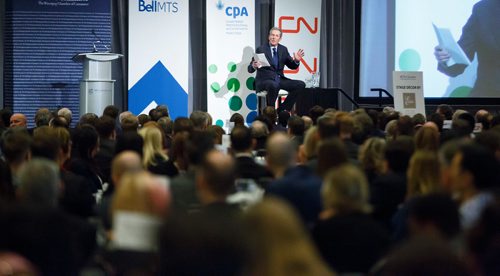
(160, 86)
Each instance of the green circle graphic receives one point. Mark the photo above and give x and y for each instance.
(233, 84)
(409, 60)
(461, 92)
(231, 66)
(235, 103)
(251, 83)
(219, 123)
(215, 87)
(212, 68)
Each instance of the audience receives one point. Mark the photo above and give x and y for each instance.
(351, 181)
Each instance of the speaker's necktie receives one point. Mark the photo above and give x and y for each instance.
(275, 58)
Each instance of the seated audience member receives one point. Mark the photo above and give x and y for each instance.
(482, 242)
(391, 130)
(166, 124)
(16, 151)
(18, 120)
(260, 132)
(237, 119)
(315, 112)
(105, 127)
(183, 186)
(331, 154)
(143, 119)
(82, 162)
(347, 237)
(280, 245)
(57, 244)
(75, 191)
(269, 112)
(242, 145)
(376, 120)
(423, 178)
(200, 120)
(422, 256)
(139, 204)
(182, 124)
(475, 173)
(297, 184)
(328, 127)
(484, 117)
(427, 138)
(42, 117)
(389, 189)
(129, 140)
(296, 129)
(308, 151)
(445, 111)
(371, 157)
(436, 119)
(154, 158)
(129, 122)
(59, 121)
(111, 111)
(405, 126)
(282, 124)
(491, 140)
(67, 114)
(217, 132)
(346, 127)
(308, 122)
(363, 127)
(88, 119)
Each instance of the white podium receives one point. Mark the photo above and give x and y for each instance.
(97, 85)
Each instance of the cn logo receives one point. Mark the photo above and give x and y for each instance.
(297, 24)
(306, 65)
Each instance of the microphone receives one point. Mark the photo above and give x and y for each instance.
(98, 40)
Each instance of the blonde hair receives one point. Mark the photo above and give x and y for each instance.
(371, 154)
(311, 143)
(281, 245)
(427, 138)
(153, 145)
(423, 173)
(345, 190)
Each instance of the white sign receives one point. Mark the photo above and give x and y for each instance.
(300, 22)
(408, 92)
(230, 48)
(158, 56)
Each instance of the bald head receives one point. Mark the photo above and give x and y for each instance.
(280, 151)
(18, 119)
(218, 173)
(125, 162)
(431, 125)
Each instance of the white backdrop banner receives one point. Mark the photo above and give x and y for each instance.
(230, 47)
(158, 55)
(408, 92)
(300, 22)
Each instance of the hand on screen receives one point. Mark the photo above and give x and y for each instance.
(441, 54)
(298, 55)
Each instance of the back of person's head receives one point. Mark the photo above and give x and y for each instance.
(125, 162)
(391, 130)
(446, 111)
(423, 173)
(331, 154)
(162, 109)
(166, 125)
(484, 117)
(42, 117)
(345, 190)
(39, 182)
(66, 113)
(259, 129)
(237, 119)
(469, 118)
(129, 122)
(427, 138)
(363, 126)
(45, 143)
(283, 117)
(398, 153)
(418, 119)
(59, 121)
(308, 122)
(64, 139)
(105, 126)
(241, 139)
(216, 132)
(199, 119)
(495, 121)
(270, 113)
(423, 256)
(481, 163)
(311, 142)
(457, 113)
(315, 112)
(437, 119)
(437, 210)
(491, 140)
(5, 117)
(88, 119)
(197, 146)
(143, 119)
(111, 111)
(153, 145)
(279, 243)
(16, 144)
(86, 141)
(129, 140)
(405, 126)
(182, 124)
(217, 171)
(280, 151)
(328, 127)
(345, 123)
(371, 155)
(296, 126)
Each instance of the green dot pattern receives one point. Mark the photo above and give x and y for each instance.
(233, 85)
(251, 83)
(212, 68)
(409, 60)
(219, 123)
(461, 92)
(215, 87)
(235, 103)
(231, 66)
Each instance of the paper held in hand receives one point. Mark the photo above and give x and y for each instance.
(262, 59)
(446, 41)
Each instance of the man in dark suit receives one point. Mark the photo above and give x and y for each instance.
(481, 35)
(271, 78)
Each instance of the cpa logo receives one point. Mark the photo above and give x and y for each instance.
(232, 11)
